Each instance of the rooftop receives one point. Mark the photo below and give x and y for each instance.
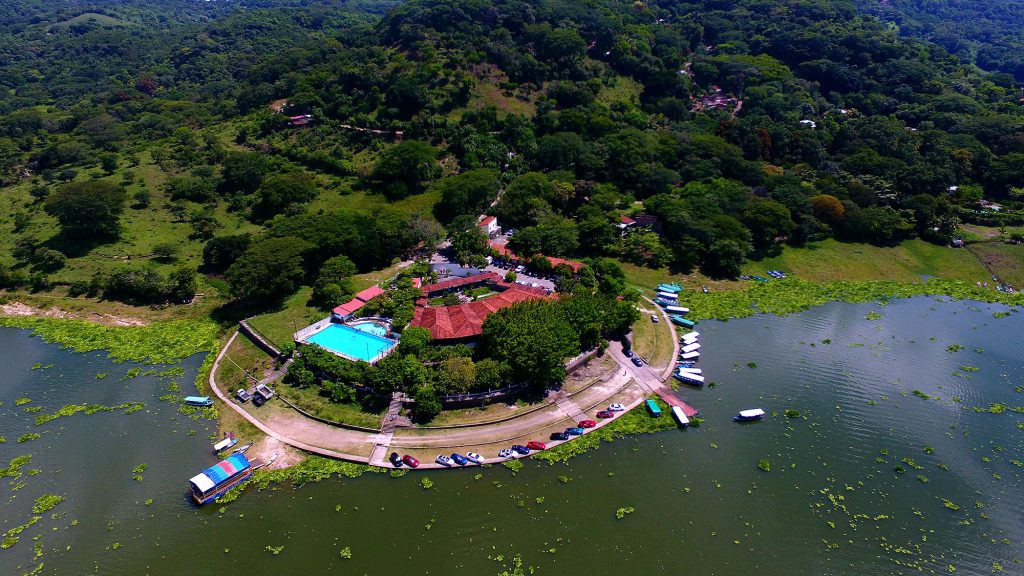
(467, 320)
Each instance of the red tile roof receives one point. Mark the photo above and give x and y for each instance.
(487, 220)
(417, 282)
(503, 251)
(370, 293)
(626, 220)
(349, 307)
(467, 320)
(459, 282)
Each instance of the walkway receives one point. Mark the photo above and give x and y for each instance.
(387, 432)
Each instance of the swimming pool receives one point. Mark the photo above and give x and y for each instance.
(351, 342)
(370, 327)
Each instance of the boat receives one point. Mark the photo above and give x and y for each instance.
(225, 444)
(670, 296)
(198, 401)
(242, 449)
(653, 408)
(678, 310)
(213, 482)
(272, 459)
(691, 334)
(690, 356)
(680, 321)
(748, 415)
(695, 379)
(673, 288)
(687, 341)
(687, 370)
(685, 364)
(691, 348)
(680, 416)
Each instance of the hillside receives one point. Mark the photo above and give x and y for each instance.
(146, 153)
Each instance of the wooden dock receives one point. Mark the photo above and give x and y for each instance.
(670, 398)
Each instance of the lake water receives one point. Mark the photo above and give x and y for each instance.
(833, 502)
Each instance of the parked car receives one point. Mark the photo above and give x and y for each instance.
(606, 414)
(587, 423)
(474, 458)
(242, 395)
(627, 353)
(654, 318)
(616, 407)
(410, 461)
(637, 361)
(559, 436)
(505, 453)
(395, 459)
(574, 431)
(520, 449)
(443, 460)
(459, 459)
(534, 445)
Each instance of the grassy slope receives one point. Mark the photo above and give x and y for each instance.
(294, 314)
(1006, 261)
(831, 260)
(652, 342)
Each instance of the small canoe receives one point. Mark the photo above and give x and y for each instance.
(748, 415)
(242, 449)
(198, 401)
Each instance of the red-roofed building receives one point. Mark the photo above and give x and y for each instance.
(370, 293)
(450, 324)
(511, 256)
(489, 225)
(460, 283)
(346, 310)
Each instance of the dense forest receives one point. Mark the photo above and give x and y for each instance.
(146, 150)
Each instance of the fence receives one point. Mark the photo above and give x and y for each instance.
(308, 331)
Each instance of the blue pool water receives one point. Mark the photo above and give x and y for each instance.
(351, 342)
(371, 328)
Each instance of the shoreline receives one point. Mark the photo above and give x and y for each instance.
(777, 297)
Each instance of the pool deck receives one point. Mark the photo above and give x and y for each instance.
(306, 335)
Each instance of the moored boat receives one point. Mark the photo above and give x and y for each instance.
(225, 444)
(242, 449)
(695, 379)
(680, 416)
(213, 482)
(748, 415)
(691, 348)
(690, 356)
(198, 401)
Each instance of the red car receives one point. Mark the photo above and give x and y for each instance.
(587, 423)
(606, 414)
(534, 445)
(410, 461)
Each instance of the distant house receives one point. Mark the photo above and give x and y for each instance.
(301, 120)
(648, 221)
(489, 226)
(625, 222)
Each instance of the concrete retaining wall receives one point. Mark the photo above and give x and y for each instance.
(257, 339)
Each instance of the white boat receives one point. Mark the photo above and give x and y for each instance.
(691, 356)
(687, 341)
(747, 415)
(680, 416)
(691, 334)
(676, 309)
(225, 444)
(694, 371)
(691, 348)
(672, 297)
(695, 379)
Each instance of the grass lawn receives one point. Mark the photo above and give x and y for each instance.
(279, 326)
(652, 342)
(830, 260)
(487, 413)
(364, 281)
(243, 356)
(1005, 260)
(311, 401)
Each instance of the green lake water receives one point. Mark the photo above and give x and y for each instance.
(832, 503)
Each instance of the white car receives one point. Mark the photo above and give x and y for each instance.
(616, 407)
(443, 460)
(654, 318)
(505, 453)
(475, 458)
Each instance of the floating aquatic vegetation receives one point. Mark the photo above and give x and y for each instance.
(751, 365)
(157, 343)
(949, 504)
(101, 375)
(11, 536)
(873, 316)
(345, 553)
(22, 401)
(426, 483)
(275, 550)
(622, 512)
(28, 437)
(513, 465)
(635, 421)
(72, 409)
(398, 473)
(790, 413)
(954, 348)
(765, 465)
(45, 503)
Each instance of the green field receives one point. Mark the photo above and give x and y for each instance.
(831, 260)
(653, 341)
